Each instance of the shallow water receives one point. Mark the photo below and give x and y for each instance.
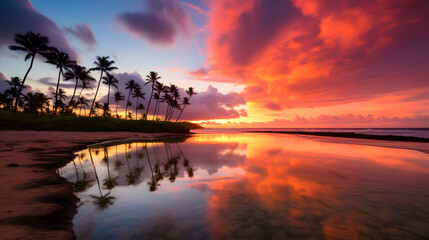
(250, 186)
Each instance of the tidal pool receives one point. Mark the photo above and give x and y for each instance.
(249, 186)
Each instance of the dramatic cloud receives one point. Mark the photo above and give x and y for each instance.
(84, 33)
(212, 104)
(161, 22)
(318, 53)
(19, 16)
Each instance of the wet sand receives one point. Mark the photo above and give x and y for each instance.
(35, 203)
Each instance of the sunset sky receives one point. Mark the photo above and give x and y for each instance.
(254, 63)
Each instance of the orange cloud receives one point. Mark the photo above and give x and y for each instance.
(295, 54)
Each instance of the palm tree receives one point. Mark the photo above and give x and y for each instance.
(61, 96)
(152, 78)
(83, 102)
(15, 83)
(131, 84)
(104, 65)
(98, 106)
(141, 108)
(62, 61)
(106, 110)
(79, 73)
(30, 103)
(174, 90)
(118, 97)
(86, 84)
(110, 80)
(159, 87)
(42, 100)
(190, 91)
(31, 44)
(184, 103)
(137, 93)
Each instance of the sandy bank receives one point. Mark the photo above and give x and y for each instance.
(35, 203)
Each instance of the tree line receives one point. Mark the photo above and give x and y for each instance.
(33, 44)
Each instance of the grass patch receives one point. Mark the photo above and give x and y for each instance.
(21, 121)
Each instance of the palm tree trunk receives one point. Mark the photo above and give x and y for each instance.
(166, 113)
(154, 111)
(181, 112)
(126, 108)
(80, 109)
(150, 99)
(108, 97)
(96, 92)
(15, 108)
(117, 102)
(74, 92)
(56, 91)
(137, 104)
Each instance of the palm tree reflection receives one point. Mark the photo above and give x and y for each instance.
(160, 168)
(104, 200)
(81, 184)
(108, 183)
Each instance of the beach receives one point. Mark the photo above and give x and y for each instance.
(35, 202)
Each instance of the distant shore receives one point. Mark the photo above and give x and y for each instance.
(352, 135)
(35, 202)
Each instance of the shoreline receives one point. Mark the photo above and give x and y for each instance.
(352, 135)
(35, 201)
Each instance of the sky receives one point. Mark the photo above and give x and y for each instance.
(254, 63)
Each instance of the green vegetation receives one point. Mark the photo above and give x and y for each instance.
(22, 121)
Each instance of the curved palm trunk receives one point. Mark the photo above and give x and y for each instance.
(126, 108)
(150, 99)
(96, 92)
(108, 98)
(181, 113)
(166, 113)
(74, 92)
(15, 108)
(56, 91)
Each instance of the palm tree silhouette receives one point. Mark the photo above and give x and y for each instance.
(83, 102)
(110, 80)
(15, 83)
(141, 108)
(31, 44)
(118, 97)
(159, 87)
(137, 93)
(42, 100)
(62, 61)
(86, 84)
(104, 65)
(152, 78)
(184, 103)
(98, 106)
(61, 96)
(79, 73)
(131, 85)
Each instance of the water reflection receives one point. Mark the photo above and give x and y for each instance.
(253, 186)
